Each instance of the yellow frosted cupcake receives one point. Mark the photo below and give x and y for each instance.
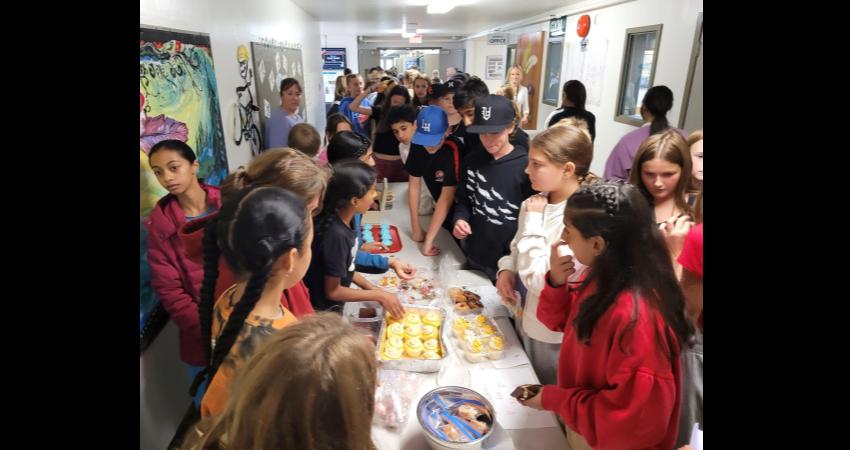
(496, 347)
(432, 318)
(487, 330)
(460, 325)
(395, 341)
(431, 354)
(413, 347)
(468, 336)
(412, 318)
(432, 344)
(480, 320)
(396, 329)
(429, 332)
(473, 352)
(392, 353)
(413, 331)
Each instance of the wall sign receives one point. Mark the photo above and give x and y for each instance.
(497, 39)
(557, 27)
(334, 58)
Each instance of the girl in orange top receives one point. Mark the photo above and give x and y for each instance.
(265, 232)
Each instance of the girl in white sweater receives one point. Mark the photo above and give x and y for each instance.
(558, 163)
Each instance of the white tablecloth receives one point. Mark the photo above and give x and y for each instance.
(410, 436)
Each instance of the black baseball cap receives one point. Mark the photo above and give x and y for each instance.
(438, 90)
(493, 114)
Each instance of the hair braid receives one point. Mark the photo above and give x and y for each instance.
(205, 308)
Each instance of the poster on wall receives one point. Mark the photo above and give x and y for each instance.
(495, 67)
(273, 64)
(529, 56)
(333, 58)
(178, 99)
(329, 84)
(588, 66)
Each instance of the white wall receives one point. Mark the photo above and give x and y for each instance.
(477, 52)
(679, 18)
(231, 24)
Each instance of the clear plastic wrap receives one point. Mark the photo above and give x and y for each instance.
(396, 390)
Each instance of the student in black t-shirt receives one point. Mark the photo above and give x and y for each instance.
(442, 95)
(434, 156)
(350, 191)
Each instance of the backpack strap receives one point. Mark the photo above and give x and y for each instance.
(456, 155)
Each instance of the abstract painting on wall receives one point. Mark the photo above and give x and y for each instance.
(178, 99)
(529, 56)
(273, 64)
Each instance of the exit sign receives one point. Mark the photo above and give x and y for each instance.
(557, 27)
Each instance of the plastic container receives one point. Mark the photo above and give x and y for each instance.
(365, 315)
(425, 410)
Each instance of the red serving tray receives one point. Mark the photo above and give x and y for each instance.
(376, 234)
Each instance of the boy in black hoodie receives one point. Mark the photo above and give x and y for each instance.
(492, 185)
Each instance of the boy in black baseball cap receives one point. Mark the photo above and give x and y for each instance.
(492, 185)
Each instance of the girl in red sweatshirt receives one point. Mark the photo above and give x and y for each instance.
(619, 379)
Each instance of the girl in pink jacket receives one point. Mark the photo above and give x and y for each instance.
(177, 279)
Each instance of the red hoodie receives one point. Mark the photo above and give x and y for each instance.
(176, 278)
(615, 399)
(295, 299)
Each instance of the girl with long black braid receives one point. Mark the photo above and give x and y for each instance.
(624, 324)
(265, 233)
(351, 191)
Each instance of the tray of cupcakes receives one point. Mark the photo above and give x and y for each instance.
(479, 338)
(415, 343)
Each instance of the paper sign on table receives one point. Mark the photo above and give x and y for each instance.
(497, 385)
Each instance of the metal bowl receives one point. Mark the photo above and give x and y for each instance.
(436, 442)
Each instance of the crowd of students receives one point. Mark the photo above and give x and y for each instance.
(604, 274)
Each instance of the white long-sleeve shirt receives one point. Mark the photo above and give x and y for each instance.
(529, 258)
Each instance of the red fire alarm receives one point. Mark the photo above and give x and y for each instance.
(583, 26)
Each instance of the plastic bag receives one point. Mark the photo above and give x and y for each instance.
(396, 390)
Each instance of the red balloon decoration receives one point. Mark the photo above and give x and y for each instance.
(583, 26)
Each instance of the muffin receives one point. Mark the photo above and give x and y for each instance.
(396, 329)
(496, 347)
(432, 318)
(412, 331)
(413, 347)
(429, 332)
(473, 352)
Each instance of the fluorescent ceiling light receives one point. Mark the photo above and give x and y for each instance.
(440, 6)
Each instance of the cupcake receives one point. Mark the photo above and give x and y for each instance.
(480, 320)
(392, 353)
(395, 341)
(459, 325)
(396, 329)
(412, 318)
(413, 331)
(429, 332)
(432, 344)
(473, 352)
(431, 354)
(487, 330)
(468, 336)
(413, 347)
(496, 347)
(432, 318)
